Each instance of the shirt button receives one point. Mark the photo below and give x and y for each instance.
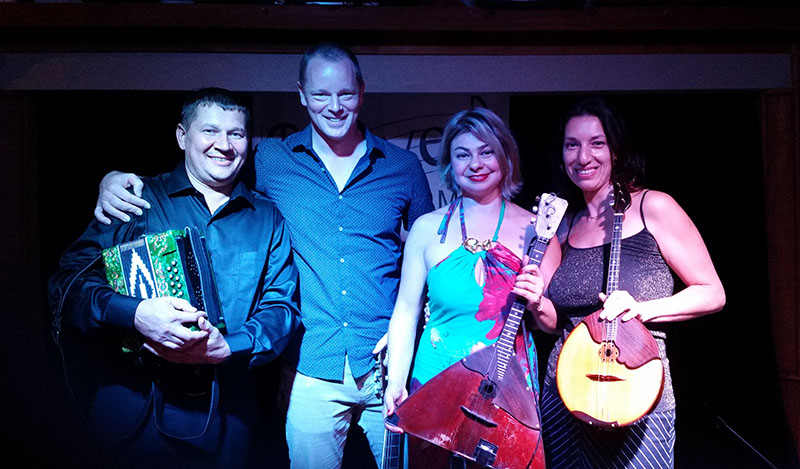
(340, 197)
(344, 292)
(341, 228)
(344, 324)
(341, 260)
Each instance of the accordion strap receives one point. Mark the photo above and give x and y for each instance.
(182, 431)
(55, 323)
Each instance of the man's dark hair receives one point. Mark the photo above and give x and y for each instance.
(223, 98)
(332, 52)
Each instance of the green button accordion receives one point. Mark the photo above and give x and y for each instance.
(171, 263)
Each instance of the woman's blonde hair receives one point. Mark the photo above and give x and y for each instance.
(487, 127)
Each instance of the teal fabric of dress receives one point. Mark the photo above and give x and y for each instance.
(465, 315)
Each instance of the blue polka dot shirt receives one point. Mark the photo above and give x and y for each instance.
(347, 244)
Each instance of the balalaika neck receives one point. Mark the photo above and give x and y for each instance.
(612, 283)
(505, 344)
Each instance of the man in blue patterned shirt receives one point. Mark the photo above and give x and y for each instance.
(344, 194)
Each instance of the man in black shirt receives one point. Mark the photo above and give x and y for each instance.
(146, 406)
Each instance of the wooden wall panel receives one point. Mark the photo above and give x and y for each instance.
(782, 197)
(23, 397)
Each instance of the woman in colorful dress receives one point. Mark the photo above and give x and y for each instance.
(658, 239)
(468, 257)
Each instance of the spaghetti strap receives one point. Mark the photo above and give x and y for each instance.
(447, 216)
(641, 208)
(570, 219)
(446, 220)
(499, 221)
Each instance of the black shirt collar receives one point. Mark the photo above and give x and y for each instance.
(177, 183)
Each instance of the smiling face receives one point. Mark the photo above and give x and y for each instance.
(332, 95)
(475, 167)
(215, 145)
(587, 155)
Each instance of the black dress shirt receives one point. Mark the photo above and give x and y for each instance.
(250, 254)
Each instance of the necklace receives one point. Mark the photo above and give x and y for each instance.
(473, 245)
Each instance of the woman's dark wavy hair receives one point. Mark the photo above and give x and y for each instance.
(627, 164)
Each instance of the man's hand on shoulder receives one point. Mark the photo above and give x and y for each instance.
(116, 200)
(211, 350)
(161, 321)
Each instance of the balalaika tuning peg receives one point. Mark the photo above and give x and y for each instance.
(535, 209)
